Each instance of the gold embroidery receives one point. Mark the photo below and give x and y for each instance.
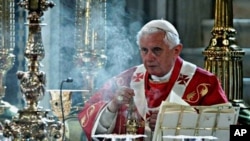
(190, 96)
(83, 121)
(201, 90)
(85, 118)
(91, 110)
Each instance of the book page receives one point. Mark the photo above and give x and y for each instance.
(176, 119)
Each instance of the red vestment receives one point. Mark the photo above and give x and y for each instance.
(196, 88)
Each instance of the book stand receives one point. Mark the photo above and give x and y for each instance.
(177, 122)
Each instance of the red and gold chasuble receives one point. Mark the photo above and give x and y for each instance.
(190, 83)
(143, 87)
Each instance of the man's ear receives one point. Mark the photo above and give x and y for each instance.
(178, 49)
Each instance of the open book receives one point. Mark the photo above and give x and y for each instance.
(176, 119)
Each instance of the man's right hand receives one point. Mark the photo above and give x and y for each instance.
(122, 96)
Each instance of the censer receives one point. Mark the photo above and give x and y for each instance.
(33, 123)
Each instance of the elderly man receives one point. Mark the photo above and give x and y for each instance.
(163, 71)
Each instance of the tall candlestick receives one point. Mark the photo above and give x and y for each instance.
(33, 123)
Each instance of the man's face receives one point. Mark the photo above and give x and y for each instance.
(156, 55)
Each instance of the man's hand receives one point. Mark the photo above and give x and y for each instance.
(122, 96)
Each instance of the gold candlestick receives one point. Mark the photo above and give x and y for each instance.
(33, 123)
(7, 40)
(90, 40)
(223, 56)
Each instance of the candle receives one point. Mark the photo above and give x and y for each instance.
(93, 40)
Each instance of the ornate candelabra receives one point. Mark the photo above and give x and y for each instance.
(33, 123)
(91, 45)
(7, 43)
(90, 40)
(223, 56)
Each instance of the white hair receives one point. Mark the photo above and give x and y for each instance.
(171, 37)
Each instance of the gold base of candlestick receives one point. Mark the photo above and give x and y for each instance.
(32, 125)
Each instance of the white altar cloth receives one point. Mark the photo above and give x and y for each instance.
(183, 137)
(113, 137)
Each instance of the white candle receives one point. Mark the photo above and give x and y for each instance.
(93, 40)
